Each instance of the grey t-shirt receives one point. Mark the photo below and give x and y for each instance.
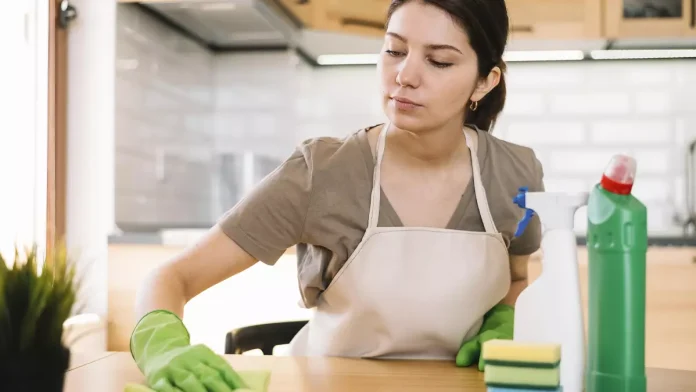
(319, 200)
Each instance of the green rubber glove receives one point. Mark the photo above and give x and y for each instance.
(498, 323)
(160, 346)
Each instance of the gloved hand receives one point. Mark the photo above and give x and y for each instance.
(498, 323)
(160, 346)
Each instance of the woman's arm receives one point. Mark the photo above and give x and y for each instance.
(260, 227)
(519, 278)
(526, 246)
(170, 286)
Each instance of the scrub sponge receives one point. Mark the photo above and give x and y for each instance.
(512, 352)
(514, 366)
(522, 377)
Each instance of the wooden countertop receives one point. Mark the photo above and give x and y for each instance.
(79, 359)
(112, 371)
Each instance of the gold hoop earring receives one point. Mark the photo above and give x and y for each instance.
(473, 106)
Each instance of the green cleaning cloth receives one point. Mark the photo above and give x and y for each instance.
(160, 346)
(498, 323)
(256, 381)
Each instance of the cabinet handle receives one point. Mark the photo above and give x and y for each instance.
(693, 14)
(526, 28)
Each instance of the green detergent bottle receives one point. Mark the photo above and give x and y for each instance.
(617, 243)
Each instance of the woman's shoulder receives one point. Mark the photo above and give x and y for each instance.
(512, 163)
(327, 154)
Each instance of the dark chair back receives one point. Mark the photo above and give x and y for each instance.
(262, 336)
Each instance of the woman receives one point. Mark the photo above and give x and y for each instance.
(404, 230)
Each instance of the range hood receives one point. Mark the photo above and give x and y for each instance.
(262, 24)
(226, 24)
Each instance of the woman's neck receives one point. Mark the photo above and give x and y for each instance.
(435, 148)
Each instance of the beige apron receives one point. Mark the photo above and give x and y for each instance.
(410, 292)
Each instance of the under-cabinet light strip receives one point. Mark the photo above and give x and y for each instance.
(347, 59)
(620, 54)
(534, 55)
(543, 55)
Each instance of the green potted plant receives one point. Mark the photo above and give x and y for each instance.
(37, 295)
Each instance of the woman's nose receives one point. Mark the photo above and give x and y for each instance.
(409, 73)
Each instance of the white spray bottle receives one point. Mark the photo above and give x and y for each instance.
(549, 310)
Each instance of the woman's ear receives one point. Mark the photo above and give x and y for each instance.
(485, 85)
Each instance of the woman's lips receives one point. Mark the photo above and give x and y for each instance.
(404, 103)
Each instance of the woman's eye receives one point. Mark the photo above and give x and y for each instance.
(439, 64)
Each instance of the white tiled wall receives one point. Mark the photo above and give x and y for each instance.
(584, 113)
(277, 97)
(575, 115)
(164, 124)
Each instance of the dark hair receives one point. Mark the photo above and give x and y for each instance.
(486, 23)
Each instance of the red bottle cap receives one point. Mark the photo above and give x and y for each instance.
(619, 175)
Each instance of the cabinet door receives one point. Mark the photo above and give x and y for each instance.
(363, 17)
(649, 18)
(555, 19)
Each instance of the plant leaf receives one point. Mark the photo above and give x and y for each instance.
(35, 300)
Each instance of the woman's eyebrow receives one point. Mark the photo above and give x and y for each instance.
(429, 46)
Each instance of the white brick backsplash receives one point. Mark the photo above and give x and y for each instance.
(685, 71)
(684, 99)
(590, 103)
(652, 189)
(545, 132)
(631, 131)
(523, 76)
(580, 160)
(312, 108)
(559, 184)
(659, 216)
(685, 130)
(653, 102)
(647, 75)
(525, 104)
(652, 161)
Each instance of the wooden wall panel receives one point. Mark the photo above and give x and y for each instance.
(57, 128)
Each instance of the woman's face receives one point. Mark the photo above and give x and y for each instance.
(428, 70)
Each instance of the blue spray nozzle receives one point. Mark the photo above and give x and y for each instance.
(521, 201)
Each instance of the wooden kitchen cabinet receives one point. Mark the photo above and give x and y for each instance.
(670, 304)
(304, 12)
(529, 19)
(555, 19)
(641, 19)
(362, 17)
(367, 17)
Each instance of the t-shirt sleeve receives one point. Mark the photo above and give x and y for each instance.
(270, 218)
(530, 240)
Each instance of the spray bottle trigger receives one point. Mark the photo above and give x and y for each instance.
(521, 201)
(528, 214)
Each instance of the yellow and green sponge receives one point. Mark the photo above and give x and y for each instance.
(514, 366)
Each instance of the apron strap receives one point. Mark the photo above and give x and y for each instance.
(479, 190)
(376, 183)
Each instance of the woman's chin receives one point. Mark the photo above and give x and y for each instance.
(408, 122)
